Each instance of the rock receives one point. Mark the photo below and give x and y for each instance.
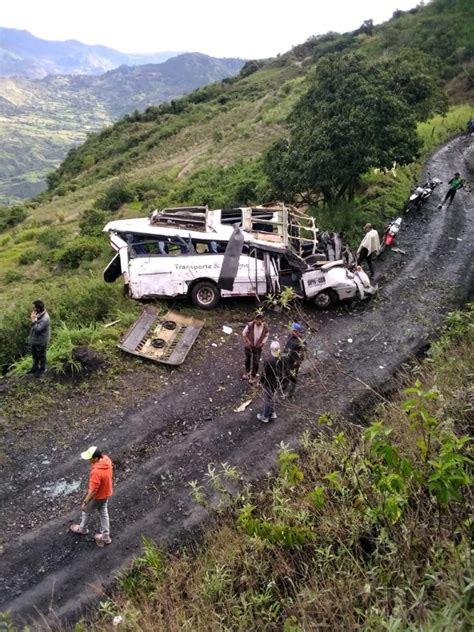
(90, 359)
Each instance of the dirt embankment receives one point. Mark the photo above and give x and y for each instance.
(170, 435)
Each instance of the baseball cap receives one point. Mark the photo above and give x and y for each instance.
(258, 315)
(89, 453)
(297, 327)
(275, 347)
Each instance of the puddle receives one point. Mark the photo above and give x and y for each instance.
(61, 488)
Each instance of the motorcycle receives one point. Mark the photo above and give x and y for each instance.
(421, 194)
(390, 233)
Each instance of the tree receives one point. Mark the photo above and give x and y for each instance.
(357, 114)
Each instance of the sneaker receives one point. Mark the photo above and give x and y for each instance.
(76, 528)
(101, 541)
(245, 376)
(273, 416)
(263, 419)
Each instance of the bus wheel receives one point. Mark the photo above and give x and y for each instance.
(205, 295)
(325, 299)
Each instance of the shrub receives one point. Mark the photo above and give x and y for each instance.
(51, 238)
(12, 276)
(92, 222)
(117, 194)
(29, 256)
(81, 249)
(12, 216)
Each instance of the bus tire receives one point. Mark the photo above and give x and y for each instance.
(205, 294)
(325, 299)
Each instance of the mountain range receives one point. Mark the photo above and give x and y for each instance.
(42, 118)
(24, 55)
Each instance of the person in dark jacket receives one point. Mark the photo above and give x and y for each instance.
(293, 355)
(39, 338)
(270, 380)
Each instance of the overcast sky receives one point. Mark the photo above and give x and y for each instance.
(223, 28)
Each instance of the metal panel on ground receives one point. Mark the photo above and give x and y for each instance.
(166, 339)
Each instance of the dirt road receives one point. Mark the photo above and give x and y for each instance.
(168, 438)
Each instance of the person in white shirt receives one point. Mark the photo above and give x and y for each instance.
(369, 246)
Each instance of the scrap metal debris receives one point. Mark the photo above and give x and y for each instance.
(166, 339)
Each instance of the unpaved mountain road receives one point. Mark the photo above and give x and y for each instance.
(169, 437)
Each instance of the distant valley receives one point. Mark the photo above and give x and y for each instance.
(42, 118)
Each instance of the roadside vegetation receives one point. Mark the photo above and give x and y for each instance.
(356, 528)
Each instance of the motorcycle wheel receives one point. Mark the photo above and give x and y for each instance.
(325, 299)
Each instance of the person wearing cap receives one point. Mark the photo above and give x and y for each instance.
(98, 493)
(293, 355)
(270, 380)
(369, 246)
(255, 335)
(454, 184)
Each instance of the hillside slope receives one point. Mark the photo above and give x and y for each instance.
(41, 119)
(238, 119)
(163, 428)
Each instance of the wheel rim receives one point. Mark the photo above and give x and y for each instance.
(205, 296)
(322, 300)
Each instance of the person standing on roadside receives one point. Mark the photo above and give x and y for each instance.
(270, 380)
(369, 246)
(255, 335)
(455, 183)
(98, 494)
(39, 338)
(293, 355)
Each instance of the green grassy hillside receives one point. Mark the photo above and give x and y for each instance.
(205, 148)
(41, 119)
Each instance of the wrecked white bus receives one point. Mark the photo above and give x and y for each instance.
(212, 254)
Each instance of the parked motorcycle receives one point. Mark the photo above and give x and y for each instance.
(421, 194)
(390, 233)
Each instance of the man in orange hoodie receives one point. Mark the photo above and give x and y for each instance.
(98, 494)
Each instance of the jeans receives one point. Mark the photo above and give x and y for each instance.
(268, 402)
(364, 254)
(252, 359)
(450, 196)
(102, 507)
(39, 357)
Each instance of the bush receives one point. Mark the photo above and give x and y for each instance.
(79, 303)
(12, 276)
(12, 216)
(120, 192)
(51, 238)
(30, 256)
(92, 222)
(81, 249)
